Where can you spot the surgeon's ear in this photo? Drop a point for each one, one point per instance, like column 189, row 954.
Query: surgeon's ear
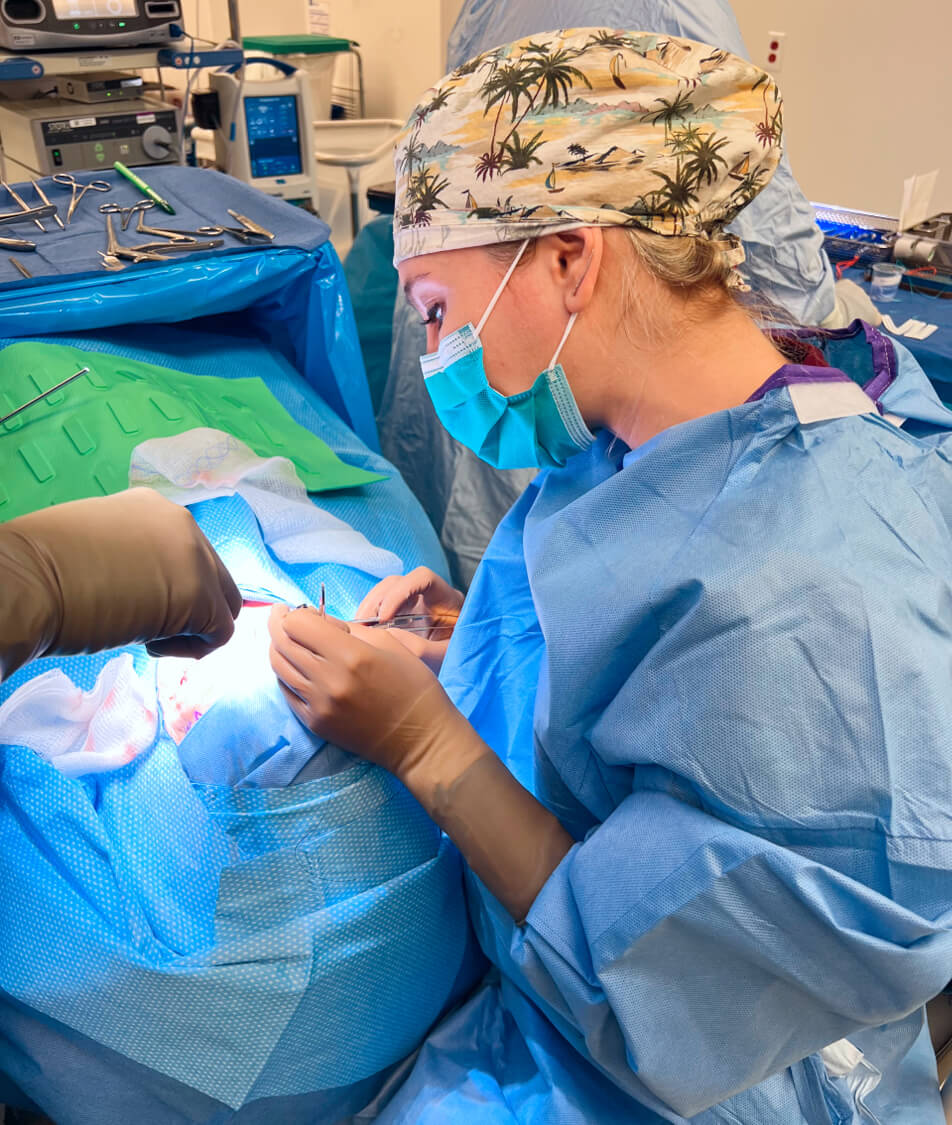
column 574, row 258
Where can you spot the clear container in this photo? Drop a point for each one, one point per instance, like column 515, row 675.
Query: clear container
column 886, row 279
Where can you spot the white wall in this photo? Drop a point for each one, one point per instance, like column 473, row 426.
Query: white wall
column 867, row 83
column 867, row 88
column 403, row 46
column 403, row 42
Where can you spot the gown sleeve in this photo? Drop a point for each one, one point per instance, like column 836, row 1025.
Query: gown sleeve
column 669, row 937
column 777, row 876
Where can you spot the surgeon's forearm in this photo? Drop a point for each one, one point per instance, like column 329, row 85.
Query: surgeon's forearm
column 27, row 603
column 511, row 841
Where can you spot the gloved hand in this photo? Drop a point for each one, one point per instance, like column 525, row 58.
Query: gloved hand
column 852, row 303
column 359, row 688
column 420, row 591
column 94, row 574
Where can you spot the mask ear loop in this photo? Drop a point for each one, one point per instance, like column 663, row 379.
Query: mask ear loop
column 568, row 327
column 502, row 286
column 565, row 336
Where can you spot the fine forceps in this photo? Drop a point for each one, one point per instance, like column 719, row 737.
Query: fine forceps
column 401, row 621
column 42, row 194
column 249, row 231
column 125, row 212
column 408, row 622
column 67, row 179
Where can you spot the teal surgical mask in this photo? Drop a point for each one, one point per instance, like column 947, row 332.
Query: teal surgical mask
column 539, row 427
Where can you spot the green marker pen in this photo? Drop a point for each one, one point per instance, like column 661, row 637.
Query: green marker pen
column 138, row 182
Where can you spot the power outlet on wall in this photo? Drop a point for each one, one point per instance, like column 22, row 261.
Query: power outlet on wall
column 773, row 55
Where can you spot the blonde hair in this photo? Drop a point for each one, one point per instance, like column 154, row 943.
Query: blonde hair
column 694, row 271
column 684, row 263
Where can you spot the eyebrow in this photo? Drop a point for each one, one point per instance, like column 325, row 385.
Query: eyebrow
column 408, row 288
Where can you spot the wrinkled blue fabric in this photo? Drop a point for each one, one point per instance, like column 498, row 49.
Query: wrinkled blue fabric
column 231, row 950
column 737, row 641
column 253, row 740
column 247, row 943
column 785, row 256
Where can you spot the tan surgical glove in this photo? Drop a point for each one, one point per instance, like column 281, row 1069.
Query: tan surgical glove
column 94, row 574
column 360, row 689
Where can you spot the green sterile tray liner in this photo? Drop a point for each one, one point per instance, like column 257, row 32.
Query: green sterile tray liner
column 78, row 441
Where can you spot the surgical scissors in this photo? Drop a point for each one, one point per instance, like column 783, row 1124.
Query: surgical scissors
column 249, row 231
column 67, row 179
column 125, row 212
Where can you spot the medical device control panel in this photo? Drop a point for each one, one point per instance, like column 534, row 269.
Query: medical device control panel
column 50, row 136
column 29, row 25
column 274, row 135
column 265, row 133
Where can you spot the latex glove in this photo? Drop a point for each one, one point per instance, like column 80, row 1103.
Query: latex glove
column 420, row 591
column 115, row 570
column 852, row 303
column 359, row 688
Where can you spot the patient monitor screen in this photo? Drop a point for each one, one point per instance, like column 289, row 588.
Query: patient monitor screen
column 93, row 9
column 274, row 143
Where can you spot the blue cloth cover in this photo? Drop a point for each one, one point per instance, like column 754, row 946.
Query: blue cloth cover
column 231, row 950
column 737, row 639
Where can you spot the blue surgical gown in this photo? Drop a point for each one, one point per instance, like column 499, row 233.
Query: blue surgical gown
column 785, row 256
column 724, row 661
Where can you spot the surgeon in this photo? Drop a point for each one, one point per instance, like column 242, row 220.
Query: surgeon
column 691, row 729
column 784, row 261
column 95, row 574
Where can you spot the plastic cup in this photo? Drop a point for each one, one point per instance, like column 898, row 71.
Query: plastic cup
column 886, row 279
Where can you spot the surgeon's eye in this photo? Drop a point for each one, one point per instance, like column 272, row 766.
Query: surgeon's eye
column 434, row 315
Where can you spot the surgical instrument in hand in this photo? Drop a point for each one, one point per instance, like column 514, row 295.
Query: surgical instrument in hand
column 19, row 266
column 125, row 212
column 67, row 179
column 249, row 231
column 43, row 395
column 422, row 623
column 399, row 622
column 42, row 194
column 21, row 203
